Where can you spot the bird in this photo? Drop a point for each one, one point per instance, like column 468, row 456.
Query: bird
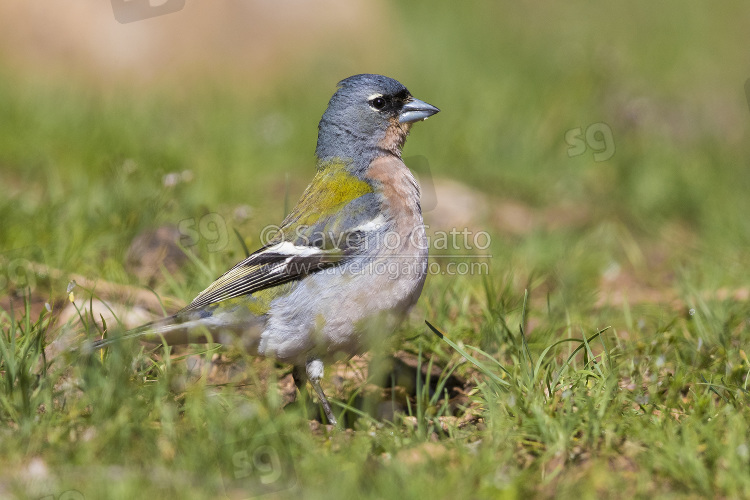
column 346, row 264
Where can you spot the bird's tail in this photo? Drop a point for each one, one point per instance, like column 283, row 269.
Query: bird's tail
column 172, row 329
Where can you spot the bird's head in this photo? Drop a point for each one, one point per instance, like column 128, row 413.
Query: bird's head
column 369, row 115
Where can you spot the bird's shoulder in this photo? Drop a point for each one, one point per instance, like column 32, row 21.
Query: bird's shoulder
column 328, row 225
column 333, row 187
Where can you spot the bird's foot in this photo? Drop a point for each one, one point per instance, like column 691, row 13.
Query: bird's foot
column 314, row 369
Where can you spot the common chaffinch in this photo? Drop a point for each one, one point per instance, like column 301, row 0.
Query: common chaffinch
column 346, row 264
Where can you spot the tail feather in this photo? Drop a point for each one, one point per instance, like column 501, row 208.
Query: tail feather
column 169, row 329
column 193, row 329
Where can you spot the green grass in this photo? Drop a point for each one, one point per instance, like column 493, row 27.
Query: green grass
column 567, row 395
column 593, row 413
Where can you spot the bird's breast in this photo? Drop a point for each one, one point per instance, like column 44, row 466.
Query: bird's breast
column 400, row 248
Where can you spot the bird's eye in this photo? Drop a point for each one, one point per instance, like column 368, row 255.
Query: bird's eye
column 377, row 103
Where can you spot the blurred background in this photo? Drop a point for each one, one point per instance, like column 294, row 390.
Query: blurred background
column 603, row 147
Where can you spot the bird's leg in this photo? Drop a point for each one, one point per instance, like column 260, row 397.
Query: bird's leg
column 299, row 374
column 314, row 369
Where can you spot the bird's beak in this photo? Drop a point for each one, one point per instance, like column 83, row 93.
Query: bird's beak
column 416, row 110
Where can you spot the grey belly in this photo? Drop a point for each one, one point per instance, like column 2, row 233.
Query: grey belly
column 342, row 309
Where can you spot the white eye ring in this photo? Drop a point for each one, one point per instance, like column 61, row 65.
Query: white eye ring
column 376, row 102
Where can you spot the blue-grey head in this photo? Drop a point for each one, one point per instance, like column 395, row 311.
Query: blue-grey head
column 368, row 116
